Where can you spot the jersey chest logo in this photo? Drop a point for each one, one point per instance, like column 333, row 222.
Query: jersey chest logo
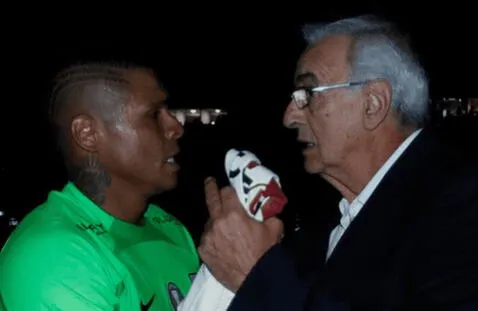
column 175, row 295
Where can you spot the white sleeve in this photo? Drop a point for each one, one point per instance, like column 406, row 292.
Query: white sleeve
column 206, row 294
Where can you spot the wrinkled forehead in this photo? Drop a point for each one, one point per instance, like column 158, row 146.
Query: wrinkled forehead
column 324, row 62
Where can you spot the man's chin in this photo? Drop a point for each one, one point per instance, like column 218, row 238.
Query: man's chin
column 312, row 167
column 170, row 185
column 166, row 185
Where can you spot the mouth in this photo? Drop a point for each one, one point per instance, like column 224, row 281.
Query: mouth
column 171, row 164
column 307, row 144
column 171, row 160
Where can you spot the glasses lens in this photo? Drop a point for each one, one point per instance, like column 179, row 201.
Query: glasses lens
column 301, row 98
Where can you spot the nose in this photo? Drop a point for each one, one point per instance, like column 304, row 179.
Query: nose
column 173, row 128
column 292, row 115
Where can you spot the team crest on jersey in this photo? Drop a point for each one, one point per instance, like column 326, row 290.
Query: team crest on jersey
column 175, row 295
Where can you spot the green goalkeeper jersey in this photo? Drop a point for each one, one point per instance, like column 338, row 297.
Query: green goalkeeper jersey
column 69, row 254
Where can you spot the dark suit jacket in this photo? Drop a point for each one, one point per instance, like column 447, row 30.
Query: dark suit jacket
column 413, row 246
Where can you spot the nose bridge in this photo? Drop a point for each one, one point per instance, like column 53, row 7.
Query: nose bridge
column 292, row 115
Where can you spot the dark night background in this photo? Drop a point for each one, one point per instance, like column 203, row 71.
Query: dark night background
column 232, row 57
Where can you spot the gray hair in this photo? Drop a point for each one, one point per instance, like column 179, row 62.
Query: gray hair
column 379, row 51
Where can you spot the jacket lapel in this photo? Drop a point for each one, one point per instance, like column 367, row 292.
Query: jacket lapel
column 364, row 251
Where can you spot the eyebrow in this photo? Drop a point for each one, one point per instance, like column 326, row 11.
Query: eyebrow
column 305, row 78
column 161, row 104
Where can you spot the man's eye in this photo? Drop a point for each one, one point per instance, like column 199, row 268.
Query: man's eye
column 156, row 113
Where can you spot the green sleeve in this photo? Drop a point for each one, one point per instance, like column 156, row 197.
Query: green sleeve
column 2, row 304
column 54, row 272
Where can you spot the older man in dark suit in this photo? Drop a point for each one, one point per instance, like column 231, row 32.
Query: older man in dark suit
column 408, row 234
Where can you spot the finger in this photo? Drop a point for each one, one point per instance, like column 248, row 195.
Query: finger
column 229, row 199
column 206, row 258
column 275, row 226
column 203, row 253
column 204, row 243
column 208, row 226
column 206, row 249
column 213, row 197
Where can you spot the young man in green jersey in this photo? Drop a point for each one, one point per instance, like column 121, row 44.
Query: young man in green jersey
column 97, row 244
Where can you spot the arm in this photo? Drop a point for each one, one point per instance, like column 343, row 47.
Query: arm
column 275, row 283
column 445, row 273
column 288, row 276
column 51, row 272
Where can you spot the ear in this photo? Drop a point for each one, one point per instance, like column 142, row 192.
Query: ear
column 378, row 100
column 84, row 130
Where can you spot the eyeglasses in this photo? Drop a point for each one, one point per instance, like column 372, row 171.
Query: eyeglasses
column 302, row 96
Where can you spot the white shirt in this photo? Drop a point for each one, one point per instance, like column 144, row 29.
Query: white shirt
column 350, row 210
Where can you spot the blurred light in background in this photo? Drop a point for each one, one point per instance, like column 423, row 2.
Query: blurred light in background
column 206, row 116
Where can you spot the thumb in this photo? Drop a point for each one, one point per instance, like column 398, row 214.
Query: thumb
column 275, row 226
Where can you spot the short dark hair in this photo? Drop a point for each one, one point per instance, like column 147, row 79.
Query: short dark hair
column 99, row 87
